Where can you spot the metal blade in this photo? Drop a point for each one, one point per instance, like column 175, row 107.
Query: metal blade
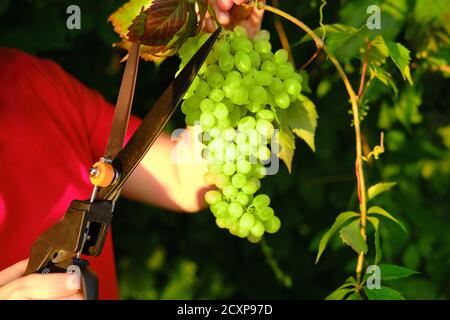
column 152, row 125
column 123, row 105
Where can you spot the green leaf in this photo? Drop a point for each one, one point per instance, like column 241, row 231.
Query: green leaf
column 400, row 56
column 390, row 272
column 381, row 211
column 375, row 223
column 378, row 188
column 157, row 25
column 351, row 235
column 378, row 51
column 303, row 120
column 339, row 294
column 284, row 138
column 384, row 293
column 329, row 29
column 123, row 17
column 383, row 76
column 407, row 107
column 354, row 296
column 340, row 220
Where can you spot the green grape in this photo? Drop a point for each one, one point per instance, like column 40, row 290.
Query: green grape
column 207, row 105
column 233, row 79
column 242, row 198
column 247, row 221
column 267, row 56
column 238, row 180
column 269, row 67
column 246, row 123
column 251, row 186
column 243, row 166
column 262, row 46
column 229, row 168
column 216, row 95
column 261, row 201
column 213, row 196
column 276, row 86
column 226, row 61
column 258, row 229
column 207, row 121
column 222, row 223
column 242, row 233
column 220, row 208
column 248, row 81
column 234, row 116
column 221, row 181
column 241, row 43
column 253, row 239
column 192, row 117
column 263, row 153
column 292, row 86
column 258, row 94
column 222, row 46
column 229, row 191
column 265, row 213
column 229, row 134
column 262, row 35
column 265, row 127
column 215, row 79
column 255, row 58
column 209, row 178
column 231, row 152
column 242, row 62
column 254, row 107
column 258, row 171
column 220, row 111
column 280, row 56
column 240, row 96
column 240, row 31
column 285, row 71
column 235, row 210
column 215, row 167
column 273, row 224
column 202, row 89
column 282, row 100
column 263, row 78
column 265, row 114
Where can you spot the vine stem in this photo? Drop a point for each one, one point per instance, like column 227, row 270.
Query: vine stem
column 361, row 185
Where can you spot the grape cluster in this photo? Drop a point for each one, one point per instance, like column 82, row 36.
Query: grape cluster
column 234, row 100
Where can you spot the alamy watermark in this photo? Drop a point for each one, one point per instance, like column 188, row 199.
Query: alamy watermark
column 73, row 21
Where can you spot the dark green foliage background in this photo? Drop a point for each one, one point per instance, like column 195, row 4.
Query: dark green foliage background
column 164, row 255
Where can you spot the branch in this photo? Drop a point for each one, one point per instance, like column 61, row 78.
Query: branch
column 354, row 102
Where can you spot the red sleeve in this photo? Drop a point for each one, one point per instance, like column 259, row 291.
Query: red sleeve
column 52, row 128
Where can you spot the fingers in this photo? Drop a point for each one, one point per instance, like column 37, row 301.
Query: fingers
column 224, row 5
column 78, row 296
column 13, row 272
column 43, row 286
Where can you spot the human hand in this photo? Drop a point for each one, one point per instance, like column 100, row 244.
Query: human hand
column 228, row 16
column 53, row 286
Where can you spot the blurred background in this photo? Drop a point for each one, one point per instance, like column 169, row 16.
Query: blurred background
column 165, row 255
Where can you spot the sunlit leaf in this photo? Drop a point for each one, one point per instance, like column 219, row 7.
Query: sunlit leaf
column 123, row 17
column 354, row 296
column 400, row 55
column 303, row 120
column 378, row 188
column 351, row 235
column 390, row 272
column 383, row 76
column 381, row 211
column 339, row 294
column 285, row 139
column 340, row 220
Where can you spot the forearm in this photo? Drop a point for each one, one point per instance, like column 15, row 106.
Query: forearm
column 169, row 181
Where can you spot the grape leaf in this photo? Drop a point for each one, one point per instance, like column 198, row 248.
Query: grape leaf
column 400, row 56
column 390, row 272
column 375, row 222
column 285, row 139
column 351, row 235
column 381, row 211
column 303, row 120
column 158, row 24
column 384, row 293
column 383, row 76
column 339, row 294
column 378, row 188
column 123, row 17
column 340, row 220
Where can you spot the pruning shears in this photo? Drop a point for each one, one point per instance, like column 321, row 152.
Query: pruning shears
column 85, row 224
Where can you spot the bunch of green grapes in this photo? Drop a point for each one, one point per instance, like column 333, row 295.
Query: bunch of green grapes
column 234, row 100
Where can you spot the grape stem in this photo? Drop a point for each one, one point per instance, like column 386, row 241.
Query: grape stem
column 361, row 185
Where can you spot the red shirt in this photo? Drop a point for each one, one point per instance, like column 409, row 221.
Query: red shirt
column 52, row 129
